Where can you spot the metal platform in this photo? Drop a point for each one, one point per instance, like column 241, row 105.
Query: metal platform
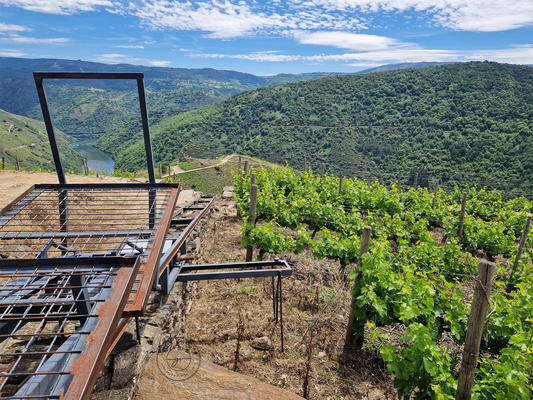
column 77, row 262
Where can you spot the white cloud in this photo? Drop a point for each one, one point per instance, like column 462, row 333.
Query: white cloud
column 60, row 6
column 345, row 40
column 159, row 63
column 124, row 59
column 12, row 53
column 513, row 55
column 470, row 15
column 226, row 20
column 13, row 37
column 129, row 47
column 4, row 28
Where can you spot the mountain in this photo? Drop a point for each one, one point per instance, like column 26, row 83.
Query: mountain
column 392, row 67
column 27, row 139
column 461, row 123
column 92, row 107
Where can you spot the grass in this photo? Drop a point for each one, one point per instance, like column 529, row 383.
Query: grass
column 188, row 165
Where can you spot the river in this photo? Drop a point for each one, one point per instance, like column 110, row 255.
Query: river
column 96, row 158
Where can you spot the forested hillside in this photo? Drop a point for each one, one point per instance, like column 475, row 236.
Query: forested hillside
column 96, row 106
column 27, row 139
column 468, row 122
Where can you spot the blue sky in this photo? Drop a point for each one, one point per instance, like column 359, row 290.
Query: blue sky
column 269, row 37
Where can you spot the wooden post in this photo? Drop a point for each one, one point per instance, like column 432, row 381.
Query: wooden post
column 239, row 168
column 365, row 243
column 251, row 219
column 436, row 193
column 322, row 171
column 3, row 162
column 245, row 167
column 507, row 189
column 416, row 181
column 521, row 247
column 168, row 170
column 476, row 321
column 399, row 179
column 17, row 161
column 340, row 184
column 252, row 182
column 462, row 219
column 160, row 171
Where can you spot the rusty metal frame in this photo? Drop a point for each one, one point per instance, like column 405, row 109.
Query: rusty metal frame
column 48, row 297
column 138, row 76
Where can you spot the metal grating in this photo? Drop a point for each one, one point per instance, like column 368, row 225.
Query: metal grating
column 57, row 320
column 54, row 221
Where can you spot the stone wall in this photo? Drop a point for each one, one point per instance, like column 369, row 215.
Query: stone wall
column 118, row 376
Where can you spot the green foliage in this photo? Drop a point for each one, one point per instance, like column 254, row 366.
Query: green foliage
column 27, row 139
column 188, row 165
column 437, row 121
column 407, row 277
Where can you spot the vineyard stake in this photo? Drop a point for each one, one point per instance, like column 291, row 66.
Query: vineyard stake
column 399, row 178
column 507, row 189
column 3, row 162
column 245, row 167
column 476, row 322
column 365, row 244
column 462, row 219
column 252, row 181
column 251, row 219
column 168, row 170
column 322, row 171
column 340, row 184
column 415, row 181
column 239, row 168
column 160, row 171
column 17, row 161
column 521, row 247
column 436, row 192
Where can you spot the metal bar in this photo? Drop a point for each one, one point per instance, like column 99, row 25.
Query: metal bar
column 49, row 127
column 63, row 216
column 169, row 255
column 231, row 275
column 88, row 75
column 146, row 130
column 255, row 264
column 78, row 234
column 107, row 186
column 280, row 279
column 150, row 269
column 87, row 367
column 12, row 264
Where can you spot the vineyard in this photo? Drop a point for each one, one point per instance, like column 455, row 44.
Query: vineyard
column 419, row 271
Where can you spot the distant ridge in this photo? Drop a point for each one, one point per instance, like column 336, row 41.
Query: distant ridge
column 391, row 67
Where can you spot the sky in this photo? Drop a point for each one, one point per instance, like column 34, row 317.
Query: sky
column 269, row 37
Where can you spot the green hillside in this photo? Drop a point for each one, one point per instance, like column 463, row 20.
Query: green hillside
column 27, row 139
column 92, row 107
column 461, row 123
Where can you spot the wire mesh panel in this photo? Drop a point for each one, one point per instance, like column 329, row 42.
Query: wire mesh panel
column 56, row 221
column 57, row 319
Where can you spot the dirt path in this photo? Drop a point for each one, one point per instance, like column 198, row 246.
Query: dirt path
column 177, row 170
column 14, row 183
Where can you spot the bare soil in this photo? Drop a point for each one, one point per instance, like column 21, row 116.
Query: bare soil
column 316, row 304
